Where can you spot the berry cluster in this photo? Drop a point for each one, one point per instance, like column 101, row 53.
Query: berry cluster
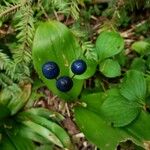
column 51, row 70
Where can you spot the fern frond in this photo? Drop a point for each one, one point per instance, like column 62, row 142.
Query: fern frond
column 8, row 9
column 5, row 80
column 2, row 82
column 66, row 7
column 11, row 69
column 60, row 5
column 17, row 72
column 17, row 68
column 4, row 61
column 78, row 32
column 25, row 29
column 74, row 9
column 89, row 50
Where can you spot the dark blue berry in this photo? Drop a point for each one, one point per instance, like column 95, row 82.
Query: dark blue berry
column 78, row 67
column 50, row 70
column 64, row 83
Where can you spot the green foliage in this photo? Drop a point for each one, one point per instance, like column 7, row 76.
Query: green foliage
column 105, row 45
column 17, row 66
column 110, row 68
column 63, row 49
column 138, row 64
column 112, row 95
column 126, row 113
column 89, row 122
column 5, row 62
column 19, row 128
column 67, row 7
column 141, row 47
column 134, row 87
column 137, row 4
column 117, row 111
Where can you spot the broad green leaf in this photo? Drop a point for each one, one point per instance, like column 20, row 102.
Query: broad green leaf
column 91, row 69
column 51, row 126
column 119, row 111
column 109, row 44
column 110, row 68
column 16, row 142
column 112, row 92
column 27, row 132
column 138, row 64
column 106, row 137
column 4, row 112
column 141, row 47
column 121, row 58
column 45, row 147
column 140, row 128
column 42, row 131
column 6, row 144
column 116, row 109
column 93, row 124
column 93, row 100
column 134, row 87
column 46, row 113
column 54, row 42
column 22, row 143
column 97, row 130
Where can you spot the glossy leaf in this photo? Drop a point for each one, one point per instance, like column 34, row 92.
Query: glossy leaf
column 54, row 42
column 141, row 47
column 22, row 143
column 16, row 142
column 45, row 147
column 44, row 132
column 109, row 44
column 121, row 58
column 119, row 111
column 27, row 132
column 138, row 64
column 97, row 130
column 93, row 100
column 134, row 87
column 5, row 143
column 110, row 68
column 140, row 128
column 46, row 113
column 91, row 69
column 52, row 127
column 106, row 137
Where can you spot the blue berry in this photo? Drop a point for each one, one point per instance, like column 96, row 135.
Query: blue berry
column 50, row 70
column 64, row 84
column 78, row 67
